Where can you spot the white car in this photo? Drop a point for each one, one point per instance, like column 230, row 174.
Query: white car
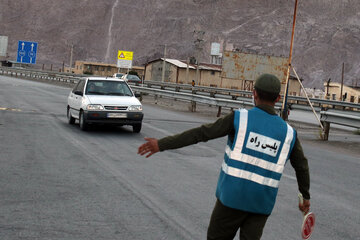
column 131, row 78
column 100, row 100
column 118, row 75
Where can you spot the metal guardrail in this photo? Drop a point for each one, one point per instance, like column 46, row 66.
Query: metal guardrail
column 218, row 102
column 351, row 119
column 39, row 74
column 211, row 90
column 73, row 78
column 345, row 118
column 328, row 114
column 293, row 100
column 327, row 108
column 341, row 117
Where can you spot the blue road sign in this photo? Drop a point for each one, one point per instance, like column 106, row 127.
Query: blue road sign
column 26, row 52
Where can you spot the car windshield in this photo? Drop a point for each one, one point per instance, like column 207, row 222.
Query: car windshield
column 103, row 87
column 119, row 75
column 133, row 77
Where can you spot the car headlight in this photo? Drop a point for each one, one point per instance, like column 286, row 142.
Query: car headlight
column 94, row 107
column 135, row 108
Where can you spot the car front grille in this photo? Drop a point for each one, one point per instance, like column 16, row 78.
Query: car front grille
column 121, row 108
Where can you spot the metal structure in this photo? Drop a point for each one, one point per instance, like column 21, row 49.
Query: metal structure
column 246, row 67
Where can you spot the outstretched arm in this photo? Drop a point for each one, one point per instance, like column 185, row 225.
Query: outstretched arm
column 222, row 127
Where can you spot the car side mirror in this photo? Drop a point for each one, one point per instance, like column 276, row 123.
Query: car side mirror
column 78, row 93
column 137, row 94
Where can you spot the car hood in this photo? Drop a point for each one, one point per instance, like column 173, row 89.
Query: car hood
column 113, row 100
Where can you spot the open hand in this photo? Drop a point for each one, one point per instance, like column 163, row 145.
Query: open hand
column 150, row 147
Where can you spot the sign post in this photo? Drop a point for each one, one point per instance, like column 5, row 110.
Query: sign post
column 125, row 59
column 3, row 46
column 27, row 52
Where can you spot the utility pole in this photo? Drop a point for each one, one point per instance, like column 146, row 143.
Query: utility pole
column 187, row 70
column 71, row 56
column 163, row 68
column 284, row 112
column 223, row 50
column 199, row 40
column 342, row 82
column 327, row 89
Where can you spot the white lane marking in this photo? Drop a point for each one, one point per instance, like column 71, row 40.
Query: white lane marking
column 158, row 129
column 10, row 109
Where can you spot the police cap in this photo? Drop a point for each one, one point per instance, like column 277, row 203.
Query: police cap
column 268, row 83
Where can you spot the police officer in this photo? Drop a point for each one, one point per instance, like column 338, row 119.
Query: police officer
column 259, row 144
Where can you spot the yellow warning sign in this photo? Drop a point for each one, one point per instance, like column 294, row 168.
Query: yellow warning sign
column 125, row 55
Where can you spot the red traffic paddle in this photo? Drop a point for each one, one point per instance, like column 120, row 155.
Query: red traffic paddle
column 308, row 221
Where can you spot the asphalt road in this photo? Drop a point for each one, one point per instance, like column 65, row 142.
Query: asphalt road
column 58, row 182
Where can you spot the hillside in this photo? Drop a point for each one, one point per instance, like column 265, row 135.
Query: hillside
column 327, row 31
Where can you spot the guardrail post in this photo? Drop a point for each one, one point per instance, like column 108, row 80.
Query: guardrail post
column 219, row 112
column 326, row 125
column 192, row 106
column 156, row 98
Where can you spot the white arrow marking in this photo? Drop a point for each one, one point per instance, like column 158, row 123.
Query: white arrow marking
column 22, row 44
column 32, row 47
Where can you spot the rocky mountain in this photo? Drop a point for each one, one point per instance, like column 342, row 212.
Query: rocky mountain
column 327, row 31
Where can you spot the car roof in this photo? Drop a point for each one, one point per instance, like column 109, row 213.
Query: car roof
column 105, row 79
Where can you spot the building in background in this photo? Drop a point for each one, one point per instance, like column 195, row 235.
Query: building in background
column 313, row 93
column 238, row 71
column 349, row 94
column 102, row 69
column 177, row 71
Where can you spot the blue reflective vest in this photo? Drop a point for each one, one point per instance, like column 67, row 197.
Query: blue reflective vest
column 254, row 161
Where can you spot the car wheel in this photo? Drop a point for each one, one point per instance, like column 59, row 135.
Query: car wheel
column 137, row 128
column 82, row 122
column 71, row 120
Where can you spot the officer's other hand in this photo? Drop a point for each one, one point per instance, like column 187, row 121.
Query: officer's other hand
column 305, row 206
column 150, row 147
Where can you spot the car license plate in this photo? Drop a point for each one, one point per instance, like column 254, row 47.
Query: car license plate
column 116, row 115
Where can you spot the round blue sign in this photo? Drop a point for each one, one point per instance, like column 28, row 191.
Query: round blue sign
column 22, row 53
column 32, row 54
